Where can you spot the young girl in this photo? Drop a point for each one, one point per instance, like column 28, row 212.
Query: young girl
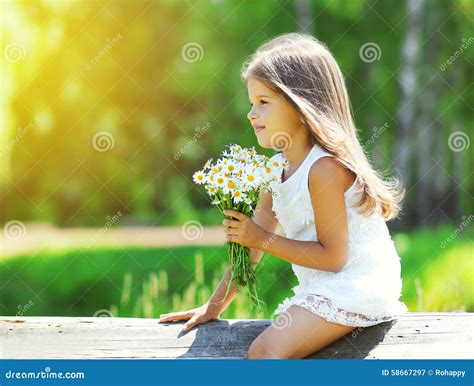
column 331, row 204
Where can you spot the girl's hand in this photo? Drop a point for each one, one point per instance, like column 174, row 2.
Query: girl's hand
column 194, row 317
column 243, row 230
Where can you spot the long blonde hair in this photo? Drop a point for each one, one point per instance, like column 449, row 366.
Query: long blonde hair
column 302, row 69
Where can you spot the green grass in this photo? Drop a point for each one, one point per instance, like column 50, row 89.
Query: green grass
column 81, row 282
column 145, row 282
column 425, row 264
column 447, row 283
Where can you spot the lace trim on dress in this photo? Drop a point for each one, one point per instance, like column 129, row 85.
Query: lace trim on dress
column 323, row 307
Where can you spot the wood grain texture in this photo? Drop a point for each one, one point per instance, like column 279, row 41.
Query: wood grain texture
column 413, row 336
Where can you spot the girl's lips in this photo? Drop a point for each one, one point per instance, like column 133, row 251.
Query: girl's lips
column 258, row 129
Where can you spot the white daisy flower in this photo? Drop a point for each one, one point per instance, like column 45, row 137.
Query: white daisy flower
column 220, row 180
column 199, row 177
column 251, row 176
column 230, row 167
column 216, row 168
column 240, row 174
column 211, row 190
column 208, row 164
column 229, row 186
column 238, row 196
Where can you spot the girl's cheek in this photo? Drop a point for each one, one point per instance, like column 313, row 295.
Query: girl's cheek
column 267, row 115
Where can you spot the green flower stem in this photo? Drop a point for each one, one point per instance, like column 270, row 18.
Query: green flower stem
column 241, row 270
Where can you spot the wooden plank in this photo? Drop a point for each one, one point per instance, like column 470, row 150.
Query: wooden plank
column 412, row 336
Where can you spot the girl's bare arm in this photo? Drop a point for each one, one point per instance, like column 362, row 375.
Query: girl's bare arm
column 263, row 217
column 327, row 184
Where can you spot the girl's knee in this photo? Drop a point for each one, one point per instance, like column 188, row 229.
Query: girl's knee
column 259, row 349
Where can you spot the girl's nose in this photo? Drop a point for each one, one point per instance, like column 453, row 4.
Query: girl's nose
column 251, row 114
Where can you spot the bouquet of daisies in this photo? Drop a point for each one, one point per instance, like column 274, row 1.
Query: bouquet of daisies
column 234, row 182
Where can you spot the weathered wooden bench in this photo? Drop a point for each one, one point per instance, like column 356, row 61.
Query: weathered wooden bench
column 413, row 336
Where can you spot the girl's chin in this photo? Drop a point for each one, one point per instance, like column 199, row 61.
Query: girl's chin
column 263, row 142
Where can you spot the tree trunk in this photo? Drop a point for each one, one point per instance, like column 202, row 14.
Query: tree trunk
column 428, row 129
column 410, row 52
column 304, row 16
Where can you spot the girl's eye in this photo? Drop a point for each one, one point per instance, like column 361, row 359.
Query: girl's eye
column 261, row 103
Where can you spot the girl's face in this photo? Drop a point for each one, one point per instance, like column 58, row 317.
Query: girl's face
column 276, row 123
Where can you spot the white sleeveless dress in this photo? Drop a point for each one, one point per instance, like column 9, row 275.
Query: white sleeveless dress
column 367, row 290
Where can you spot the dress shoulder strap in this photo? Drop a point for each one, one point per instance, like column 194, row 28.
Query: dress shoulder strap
column 315, row 154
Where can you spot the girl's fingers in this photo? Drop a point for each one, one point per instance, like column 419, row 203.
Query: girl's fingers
column 172, row 318
column 175, row 316
column 233, row 213
column 190, row 324
column 231, row 232
column 230, row 223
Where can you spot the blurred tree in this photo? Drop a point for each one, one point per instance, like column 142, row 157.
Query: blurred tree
column 112, row 106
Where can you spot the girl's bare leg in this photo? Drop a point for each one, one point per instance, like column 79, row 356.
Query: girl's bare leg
column 295, row 334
